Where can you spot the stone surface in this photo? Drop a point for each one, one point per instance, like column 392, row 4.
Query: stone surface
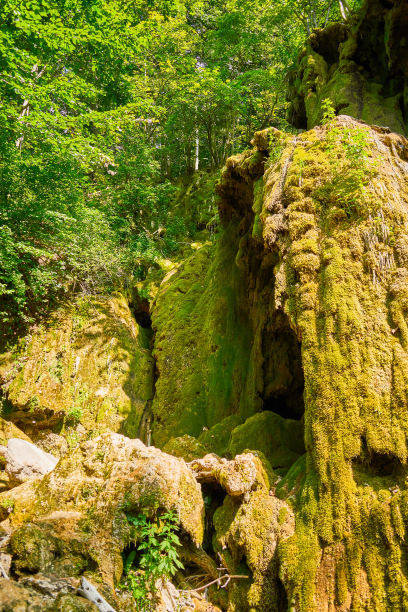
column 25, row 461
column 279, row 439
column 87, row 368
column 238, row 477
column 332, row 260
column 8, row 430
column 15, row 597
column 353, row 66
column 74, row 517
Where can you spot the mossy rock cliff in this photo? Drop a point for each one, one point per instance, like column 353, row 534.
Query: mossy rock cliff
column 360, row 67
column 294, row 324
column 87, row 368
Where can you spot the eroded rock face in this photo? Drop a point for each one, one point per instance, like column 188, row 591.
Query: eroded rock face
column 339, row 243
column 360, row 67
column 314, row 258
column 28, row 598
column 238, row 477
column 88, row 368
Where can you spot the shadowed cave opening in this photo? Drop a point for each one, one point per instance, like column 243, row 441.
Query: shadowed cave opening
column 376, row 464
column 213, row 495
column 141, row 312
column 284, row 380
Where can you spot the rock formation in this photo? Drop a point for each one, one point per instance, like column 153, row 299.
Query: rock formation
column 360, row 67
column 269, row 366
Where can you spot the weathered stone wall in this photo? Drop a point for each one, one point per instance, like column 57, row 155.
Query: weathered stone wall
column 88, row 368
column 361, row 67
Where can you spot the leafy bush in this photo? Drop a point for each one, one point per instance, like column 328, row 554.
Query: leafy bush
column 351, row 164
column 154, row 556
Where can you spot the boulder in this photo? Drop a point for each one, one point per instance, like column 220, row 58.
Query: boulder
column 22, row 598
column 75, row 517
column 25, row 461
column 237, row 477
column 280, row 439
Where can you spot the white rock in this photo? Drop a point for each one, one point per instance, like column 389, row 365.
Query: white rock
column 88, row 591
column 25, row 461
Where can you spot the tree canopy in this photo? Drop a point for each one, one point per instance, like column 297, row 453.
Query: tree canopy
column 103, row 104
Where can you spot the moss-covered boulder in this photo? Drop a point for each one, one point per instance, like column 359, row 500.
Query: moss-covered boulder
column 74, row 520
column 279, row 439
column 186, row 446
column 247, row 534
column 27, row 598
column 87, row 368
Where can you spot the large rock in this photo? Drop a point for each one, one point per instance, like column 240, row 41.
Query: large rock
column 15, row 597
column 7, row 431
column 249, row 526
column 353, row 66
column 279, row 439
column 88, row 368
column 25, row 461
column 329, row 228
column 238, row 477
column 74, row 518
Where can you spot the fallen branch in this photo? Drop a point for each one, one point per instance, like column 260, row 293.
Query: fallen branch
column 218, row 581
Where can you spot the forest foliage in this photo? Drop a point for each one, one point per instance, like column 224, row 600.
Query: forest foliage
column 103, row 105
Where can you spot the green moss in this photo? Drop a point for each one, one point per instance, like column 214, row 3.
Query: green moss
column 336, row 278
column 187, row 447
column 217, row 439
column 279, row 439
column 88, row 365
column 202, row 339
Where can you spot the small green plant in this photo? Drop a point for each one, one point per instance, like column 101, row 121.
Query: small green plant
column 72, row 439
column 74, row 414
column 154, row 556
column 329, row 112
column 348, row 150
column 7, row 504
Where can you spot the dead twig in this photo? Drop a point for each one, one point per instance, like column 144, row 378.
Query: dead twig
column 219, row 580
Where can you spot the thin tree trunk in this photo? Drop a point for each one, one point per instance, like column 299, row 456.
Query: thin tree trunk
column 197, row 150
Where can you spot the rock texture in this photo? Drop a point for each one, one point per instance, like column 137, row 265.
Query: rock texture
column 17, row 597
column 306, row 363
column 339, row 248
column 88, row 368
column 74, row 518
column 25, row 461
column 360, row 67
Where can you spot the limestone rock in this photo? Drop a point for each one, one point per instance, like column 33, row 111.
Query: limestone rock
column 88, row 367
column 247, row 539
column 16, row 597
column 76, row 512
column 25, row 461
column 333, row 65
column 326, row 274
column 237, row 477
column 279, row 439
column 186, row 446
column 53, row 443
column 8, row 430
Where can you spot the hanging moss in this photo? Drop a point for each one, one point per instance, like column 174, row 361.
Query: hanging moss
column 335, row 232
